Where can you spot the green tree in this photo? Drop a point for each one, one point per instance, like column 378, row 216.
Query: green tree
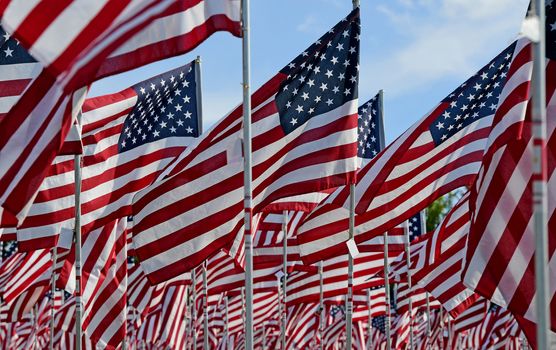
column 440, row 207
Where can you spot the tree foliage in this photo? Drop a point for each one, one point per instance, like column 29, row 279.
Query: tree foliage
column 440, row 207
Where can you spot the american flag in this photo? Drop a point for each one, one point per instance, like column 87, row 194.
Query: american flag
column 441, row 276
column 128, row 138
column 304, row 140
column 73, row 52
column 301, row 325
column 501, row 248
column 439, row 153
column 17, row 69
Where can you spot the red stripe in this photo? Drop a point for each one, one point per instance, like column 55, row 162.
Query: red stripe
column 13, row 87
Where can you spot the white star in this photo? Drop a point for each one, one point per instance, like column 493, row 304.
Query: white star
column 305, row 96
column 186, row 99
column 6, row 36
column 493, row 107
column 188, row 115
column 341, row 76
column 317, row 99
column 329, row 101
column 311, row 110
column 189, row 130
column 288, row 104
column 9, row 52
column 323, row 86
column 299, row 109
column 177, row 92
column 185, row 83
column 142, row 89
column 347, row 92
column 484, row 75
column 163, row 125
column 291, row 65
column 352, row 49
column 334, row 60
column 153, row 86
column 301, row 79
column 293, row 121
column 311, row 82
column 123, row 143
column 328, row 73
column 345, row 34
column 162, row 82
column 335, row 89
column 134, row 140
column 446, row 114
column 353, row 79
column 346, row 63
column 440, row 125
column 178, row 107
column 172, row 129
column 340, row 47
column 172, row 78
column 180, row 122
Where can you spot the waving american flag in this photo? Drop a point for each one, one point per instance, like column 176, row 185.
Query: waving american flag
column 439, row 153
column 304, row 140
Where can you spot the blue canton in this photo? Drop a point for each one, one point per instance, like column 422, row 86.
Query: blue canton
column 9, row 248
column 415, row 226
column 335, row 310
column 379, row 323
column 166, row 106
column 322, row 78
column 370, row 129
column 550, row 30
column 11, row 52
column 474, row 99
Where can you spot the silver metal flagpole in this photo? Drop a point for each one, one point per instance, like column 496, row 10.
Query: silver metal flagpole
column 77, row 240
column 540, row 202
column 248, row 205
column 349, row 301
column 285, row 277
column 205, row 308
column 409, row 285
column 441, row 328
column 428, row 337
column 264, row 338
column 53, row 292
column 385, row 235
column 321, row 305
column 243, row 307
column 349, row 304
column 193, row 309
column 226, row 330
column 369, row 319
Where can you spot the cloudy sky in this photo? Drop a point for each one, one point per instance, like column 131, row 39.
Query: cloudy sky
column 418, row 51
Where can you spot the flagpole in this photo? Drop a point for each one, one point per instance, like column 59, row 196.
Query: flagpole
column 428, row 337
column 243, row 307
column 52, row 291
column 540, row 202
column 441, row 328
column 247, row 176
column 409, row 285
column 321, row 305
column 349, row 302
column 77, row 240
column 370, row 318
column 264, row 338
column 382, row 141
column 285, row 277
column 193, row 309
column 226, row 331
column 205, row 308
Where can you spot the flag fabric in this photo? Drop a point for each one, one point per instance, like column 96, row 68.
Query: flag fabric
column 304, row 140
column 500, row 253
column 128, row 138
column 18, row 69
column 72, row 42
column 439, row 153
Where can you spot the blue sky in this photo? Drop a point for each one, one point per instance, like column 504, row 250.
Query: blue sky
column 418, row 51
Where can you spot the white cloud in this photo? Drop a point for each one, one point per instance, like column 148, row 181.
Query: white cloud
column 308, row 25
column 448, row 39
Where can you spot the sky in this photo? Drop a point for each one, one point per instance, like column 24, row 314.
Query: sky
column 418, row 51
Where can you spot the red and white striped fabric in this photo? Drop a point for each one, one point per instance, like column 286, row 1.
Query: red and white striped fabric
column 303, row 286
column 21, row 271
column 439, row 153
column 112, row 171
column 472, row 316
column 441, row 276
column 418, row 298
column 501, row 248
column 73, row 41
column 198, row 208
column 301, row 325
